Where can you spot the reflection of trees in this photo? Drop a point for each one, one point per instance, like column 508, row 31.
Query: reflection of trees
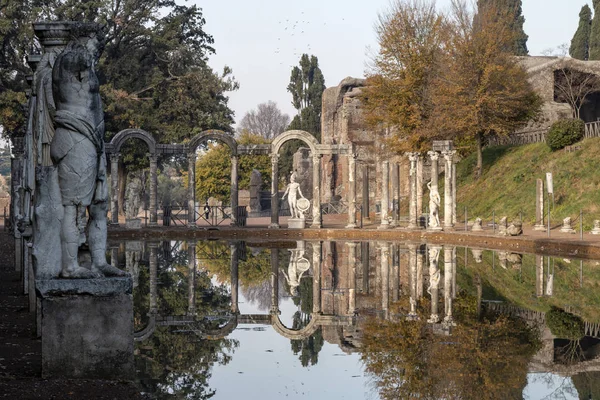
column 310, row 347
column 175, row 360
column 259, row 294
column 485, row 358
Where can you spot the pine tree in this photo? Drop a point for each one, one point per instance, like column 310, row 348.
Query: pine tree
column 580, row 44
column 515, row 10
column 595, row 32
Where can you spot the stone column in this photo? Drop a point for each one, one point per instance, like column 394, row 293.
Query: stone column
column 234, row 189
column 539, row 276
column 385, row 194
column 114, row 186
column 114, row 256
column 434, row 283
column 153, row 261
column 192, row 278
column 448, row 200
column 192, row 189
column 316, row 201
column 412, row 279
column 351, row 191
column 419, row 186
column 234, row 278
column 316, row 277
column 448, row 320
column 412, row 205
column 274, row 191
column 351, row 277
column 275, row 281
column 435, row 170
column 539, row 206
column 365, row 193
column 153, row 191
column 385, row 277
column 364, row 255
column 395, row 198
column 454, row 192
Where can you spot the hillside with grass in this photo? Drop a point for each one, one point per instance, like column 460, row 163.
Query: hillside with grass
column 508, row 182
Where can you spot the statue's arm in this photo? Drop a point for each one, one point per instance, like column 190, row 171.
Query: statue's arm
column 287, row 190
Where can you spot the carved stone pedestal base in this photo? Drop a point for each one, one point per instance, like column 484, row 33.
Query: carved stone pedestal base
column 133, row 223
column 296, row 223
column 541, row 228
column 86, row 328
column 435, row 229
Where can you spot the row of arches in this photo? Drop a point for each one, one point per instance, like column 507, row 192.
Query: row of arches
column 317, row 150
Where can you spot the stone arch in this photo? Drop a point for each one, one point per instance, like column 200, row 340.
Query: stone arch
column 122, row 137
column 304, row 136
column 213, row 134
column 288, row 333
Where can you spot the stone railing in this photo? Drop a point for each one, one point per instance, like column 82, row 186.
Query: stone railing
column 592, row 130
column 517, row 139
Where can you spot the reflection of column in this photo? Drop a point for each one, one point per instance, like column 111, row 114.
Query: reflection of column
column 412, row 279
column 385, row 278
column 153, row 278
column 454, row 273
column 420, row 257
column 448, row 201
column 234, row 189
column 364, row 255
column 316, row 222
column 394, row 173
column 448, row 320
column 395, row 273
column 114, row 188
column 274, row 191
column 316, row 277
column 192, row 189
column 274, row 281
column 385, row 194
column 539, row 276
column 434, row 283
column 412, row 196
column 153, row 184
column 365, row 192
column 351, row 277
column 351, row 191
column 191, row 278
column 234, row 278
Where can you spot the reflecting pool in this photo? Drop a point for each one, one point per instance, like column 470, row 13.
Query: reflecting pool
column 361, row 320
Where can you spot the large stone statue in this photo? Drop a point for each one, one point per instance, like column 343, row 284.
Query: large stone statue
column 77, row 150
column 293, row 194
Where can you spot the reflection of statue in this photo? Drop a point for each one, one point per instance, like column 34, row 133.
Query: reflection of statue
column 434, row 206
column 78, row 151
column 434, row 269
column 297, row 267
column 292, row 191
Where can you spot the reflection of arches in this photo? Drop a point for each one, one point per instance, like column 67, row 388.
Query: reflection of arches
column 121, row 137
column 304, row 136
column 213, row 134
column 145, row 333
column 292, row 334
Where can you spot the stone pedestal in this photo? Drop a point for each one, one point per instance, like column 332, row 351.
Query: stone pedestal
column 133, row 223
column 567, row 227
column 86, row 328
column 296, row 223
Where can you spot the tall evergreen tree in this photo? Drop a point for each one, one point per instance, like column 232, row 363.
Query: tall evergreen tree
column 580, row 44
column 306, row 86
column 595, row 32
column 514, row 8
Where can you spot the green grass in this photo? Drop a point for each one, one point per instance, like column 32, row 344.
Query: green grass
column 508, row 182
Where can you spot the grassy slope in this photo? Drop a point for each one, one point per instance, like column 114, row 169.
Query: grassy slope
column 509, row 180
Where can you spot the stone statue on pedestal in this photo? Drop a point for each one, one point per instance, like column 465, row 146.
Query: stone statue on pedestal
column 293, row 192
column 434, row 206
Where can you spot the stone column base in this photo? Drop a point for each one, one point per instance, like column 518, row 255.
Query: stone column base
column 541, row 228
column 273, row 225
column 296, row 223
column 568, row 230
column 86, row 328
column 435, row 229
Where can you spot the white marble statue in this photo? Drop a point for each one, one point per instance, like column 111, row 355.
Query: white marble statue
column 434, row 206
column 293, row 194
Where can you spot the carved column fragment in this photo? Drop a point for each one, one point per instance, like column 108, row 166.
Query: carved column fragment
column 316, row 277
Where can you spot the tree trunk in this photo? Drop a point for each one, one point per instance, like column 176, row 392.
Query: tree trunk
column 122, row 187
column 479, row 168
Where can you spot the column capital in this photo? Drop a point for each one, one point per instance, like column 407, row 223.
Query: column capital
column 191, row 156
column 433, row 155
column 153, row 157
column 351, row 244
column 413, row 156
column 115, row 157
column 317, row 157
column 274, row 159
column 448, row 154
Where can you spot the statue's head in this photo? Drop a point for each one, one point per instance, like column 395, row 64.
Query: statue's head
column 293, row 177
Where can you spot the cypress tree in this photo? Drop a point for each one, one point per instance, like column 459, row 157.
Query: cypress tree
column 580, row 44
column 514, row 8
column 595, row 32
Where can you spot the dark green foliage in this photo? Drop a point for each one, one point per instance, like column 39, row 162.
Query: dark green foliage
column 580, row 44
column 513, row 7
column 565, row 132
column 595, row 32
column 564, row 325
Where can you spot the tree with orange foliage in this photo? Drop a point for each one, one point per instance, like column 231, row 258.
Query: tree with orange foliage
column 397, row 94
column 483, row 88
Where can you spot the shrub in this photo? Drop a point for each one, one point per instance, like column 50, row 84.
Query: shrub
column 565, row 132
column 564, row 325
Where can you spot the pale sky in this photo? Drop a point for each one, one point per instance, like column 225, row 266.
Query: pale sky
column 262, row 40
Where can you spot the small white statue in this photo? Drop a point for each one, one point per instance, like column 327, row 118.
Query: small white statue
column 293, row 192
column 434, row 206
